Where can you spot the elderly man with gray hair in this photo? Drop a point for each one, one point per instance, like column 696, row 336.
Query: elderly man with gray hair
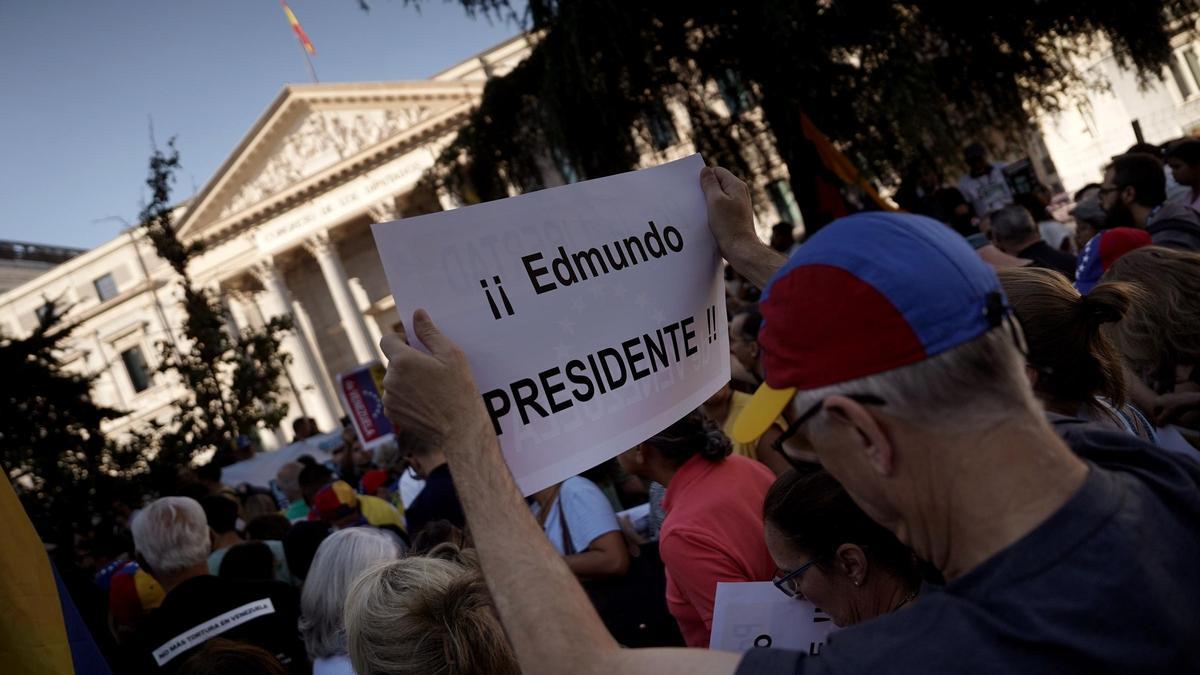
column 1014, row 232
column 171, row 537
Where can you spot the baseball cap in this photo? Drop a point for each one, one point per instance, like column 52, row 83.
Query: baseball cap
column 335, row 501
column 373, row 480
column 866, row 294
column 1102, row 251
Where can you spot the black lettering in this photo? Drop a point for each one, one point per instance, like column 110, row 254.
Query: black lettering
column 651, row 238
column 641, row 249
column 528, row 400
column 612, row 264
column 660, row 351
column 496, row 412
column 552, row 389
column 563, row 262
column 688, row 334
column 591, row 256
column 535, row 273
column 634, row 358
column 667, row 232
column 604, row 354
column 596, row 374
column 670, row 329
column 574, row 367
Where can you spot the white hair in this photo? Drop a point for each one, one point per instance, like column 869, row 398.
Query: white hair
column 971, row 387
column 339, row 560
column 388, row 456
column 171, row 534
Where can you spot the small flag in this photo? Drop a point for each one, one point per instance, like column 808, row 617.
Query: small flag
column 300, row 34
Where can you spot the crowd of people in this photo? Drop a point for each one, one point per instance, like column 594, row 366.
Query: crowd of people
column 967, row 433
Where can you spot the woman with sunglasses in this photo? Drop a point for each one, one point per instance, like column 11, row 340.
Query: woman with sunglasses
column 831, row 553
column 712, row 531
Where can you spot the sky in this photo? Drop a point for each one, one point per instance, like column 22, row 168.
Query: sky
column 81, row 81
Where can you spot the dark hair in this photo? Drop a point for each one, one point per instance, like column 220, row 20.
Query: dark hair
column 1142, row 172
column 816, row 515
column 301, row 543
column 436, row 533
column 692, row 435
column 248, row 561
column 210, row 472
column 268, row 526
column 1074, row 360
column 218, row 656
column 1186, row 150
column 221, row 513
column 1079, row 193
column 1143, row 149
column 314, row 475
column 752, row 324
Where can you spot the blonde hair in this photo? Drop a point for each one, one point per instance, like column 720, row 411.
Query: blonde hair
column 1074, row 360
column 425, row 615
column 1156, row 336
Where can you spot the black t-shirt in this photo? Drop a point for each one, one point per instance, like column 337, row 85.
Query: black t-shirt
column 438, row 500
column 264, row 614
column 1043, row 255
column 1108, row 584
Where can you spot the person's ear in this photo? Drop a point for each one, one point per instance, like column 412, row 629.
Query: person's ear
column 866, row 431
column 852, row 561
column 1128, row 195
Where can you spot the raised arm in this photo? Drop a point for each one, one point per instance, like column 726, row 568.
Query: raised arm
column 731, row 219
column 547, row 616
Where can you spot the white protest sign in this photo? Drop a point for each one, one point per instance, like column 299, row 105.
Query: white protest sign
column 747, row 615
column 593, row 315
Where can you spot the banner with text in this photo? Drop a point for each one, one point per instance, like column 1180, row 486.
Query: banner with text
column 593, row 314
column 749, row 615
column 361, row 391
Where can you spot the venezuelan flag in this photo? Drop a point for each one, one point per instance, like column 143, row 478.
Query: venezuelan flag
column 41, row 631
column 291, row 17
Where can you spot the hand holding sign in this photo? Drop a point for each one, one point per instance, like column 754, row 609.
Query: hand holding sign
column 432, row 394
column 591, row 316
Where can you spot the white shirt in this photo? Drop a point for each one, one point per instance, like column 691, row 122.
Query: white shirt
column 987, row 192
column 333, row 665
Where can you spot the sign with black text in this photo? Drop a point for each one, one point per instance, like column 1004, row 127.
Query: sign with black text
column 593, row 315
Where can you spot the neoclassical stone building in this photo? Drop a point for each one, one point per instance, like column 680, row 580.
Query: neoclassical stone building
column 286, row 221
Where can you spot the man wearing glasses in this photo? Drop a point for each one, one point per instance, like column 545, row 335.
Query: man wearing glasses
column 1134, row 195
column 886, row 348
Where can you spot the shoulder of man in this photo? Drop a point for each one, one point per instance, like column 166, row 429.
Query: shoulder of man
column 1126, row 453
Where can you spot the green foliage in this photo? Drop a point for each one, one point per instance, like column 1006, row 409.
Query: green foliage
column 232, row 379
column 50, row 441
column 891, row 83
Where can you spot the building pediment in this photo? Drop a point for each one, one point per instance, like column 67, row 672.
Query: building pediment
column 313, row 135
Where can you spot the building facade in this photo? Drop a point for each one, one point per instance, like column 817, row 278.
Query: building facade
column 286, row 225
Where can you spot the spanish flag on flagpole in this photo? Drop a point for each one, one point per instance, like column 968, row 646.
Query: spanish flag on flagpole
column 300, row 34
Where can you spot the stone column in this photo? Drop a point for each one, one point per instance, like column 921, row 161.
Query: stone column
column 327, row 384
column 326, row 254
column 364, row 305
column 304, row 370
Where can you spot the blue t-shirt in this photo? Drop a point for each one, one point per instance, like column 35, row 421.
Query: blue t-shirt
column 589, row 514
column 1108, row 584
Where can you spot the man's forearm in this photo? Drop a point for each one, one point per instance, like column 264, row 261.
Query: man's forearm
column 754, row 260
column 548, row 617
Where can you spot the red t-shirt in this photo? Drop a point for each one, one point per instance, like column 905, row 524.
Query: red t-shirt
column 713, row 532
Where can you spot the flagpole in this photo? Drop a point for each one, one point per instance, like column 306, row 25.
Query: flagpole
column 312, row 72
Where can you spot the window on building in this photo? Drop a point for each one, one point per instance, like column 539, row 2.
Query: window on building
column 135, row 365
column 737, row 97
column 662, row 128
column 785, row 201
column 1185, row 89
column 106, row 287
column 1193, row 64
